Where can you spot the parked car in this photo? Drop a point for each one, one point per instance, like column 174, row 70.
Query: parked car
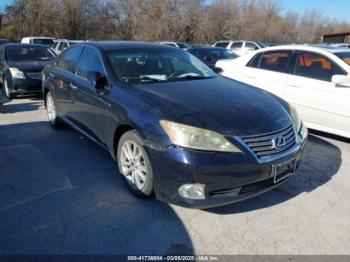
column 20, row 67
column 48, row 41
column 176, row 128
column 315, row 80
column 241, row 47
column 61, row 44
column 4, row 41
column 210, row 55
column 341, row 45
column 181, row 45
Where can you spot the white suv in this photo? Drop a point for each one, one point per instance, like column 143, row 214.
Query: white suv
column 240, row 47
column 61, row 44
column 49, row 41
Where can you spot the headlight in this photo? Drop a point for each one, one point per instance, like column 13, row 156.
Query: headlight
column 16, row 73
column 295, row 117
column 197, row 138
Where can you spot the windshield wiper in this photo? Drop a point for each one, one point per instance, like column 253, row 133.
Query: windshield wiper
column 141, row 79
column 189, row 77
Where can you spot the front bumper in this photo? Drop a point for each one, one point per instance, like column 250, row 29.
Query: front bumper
column 222, row 173
column 26, row 86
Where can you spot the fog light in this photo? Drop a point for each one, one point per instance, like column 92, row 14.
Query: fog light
column 192, row 191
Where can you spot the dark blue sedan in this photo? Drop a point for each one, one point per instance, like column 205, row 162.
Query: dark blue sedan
column 176, row 129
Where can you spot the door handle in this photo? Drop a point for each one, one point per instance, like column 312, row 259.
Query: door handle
column 295, row 86
column 250, row 76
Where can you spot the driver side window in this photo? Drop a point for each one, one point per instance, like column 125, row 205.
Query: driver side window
column 90, row 61
column 316, row 66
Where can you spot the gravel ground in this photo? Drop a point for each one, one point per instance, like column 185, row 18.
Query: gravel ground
column 61, row 194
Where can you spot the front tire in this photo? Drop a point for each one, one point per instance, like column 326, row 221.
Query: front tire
column 54, row 120
column 134, row 164
column 8, row 93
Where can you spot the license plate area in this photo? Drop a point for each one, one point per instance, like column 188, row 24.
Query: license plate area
column 283, row 170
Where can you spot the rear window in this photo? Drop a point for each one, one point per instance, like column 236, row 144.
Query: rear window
column 27, row 53
column 275, row 61
column 41, row 41
column 345, row 56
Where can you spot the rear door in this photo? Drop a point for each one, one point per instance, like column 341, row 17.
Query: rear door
column 90, row 106
column 268, row 71
column 321, row 103
column 61, row 76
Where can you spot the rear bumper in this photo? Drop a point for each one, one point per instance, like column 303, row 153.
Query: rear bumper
column 228, row 177
column 26, row 86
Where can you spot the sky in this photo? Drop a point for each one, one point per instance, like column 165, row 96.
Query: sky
column 339, row 9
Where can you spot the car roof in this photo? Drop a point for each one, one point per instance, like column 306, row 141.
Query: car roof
column 109, row 45
column 24, row 45
column 208, row 47
column 38, row 37
column 315, row 48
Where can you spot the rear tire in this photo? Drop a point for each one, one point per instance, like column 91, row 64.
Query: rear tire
column 134, row 164
column 54, row 120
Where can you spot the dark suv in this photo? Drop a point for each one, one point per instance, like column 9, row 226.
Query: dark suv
column 176, row 128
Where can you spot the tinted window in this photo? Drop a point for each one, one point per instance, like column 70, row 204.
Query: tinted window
column 236, row 45
column 157, row 65
column 345, row 56
column 251, row 46
column 48, row 42
column 275, row 61
column 219, row 53
column 69, row 59
column 316, row 66
column 28, row 53
column 90, row 61
column 255, row 61
column 222, row 44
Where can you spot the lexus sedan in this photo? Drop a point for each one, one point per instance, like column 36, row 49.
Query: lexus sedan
column 21, row 66
column 314, row 79
column 175, row 128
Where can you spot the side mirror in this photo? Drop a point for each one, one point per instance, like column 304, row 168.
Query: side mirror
column 343, row 80
column 96, row 79
column 218, row 70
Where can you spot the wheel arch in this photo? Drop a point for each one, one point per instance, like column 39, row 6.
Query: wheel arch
column 120, row 130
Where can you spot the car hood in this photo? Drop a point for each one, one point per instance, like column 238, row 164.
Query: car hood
column 29, row 66
column 220, row 104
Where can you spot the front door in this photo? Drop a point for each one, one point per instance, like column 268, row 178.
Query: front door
column 321, row 104
column 90, row 104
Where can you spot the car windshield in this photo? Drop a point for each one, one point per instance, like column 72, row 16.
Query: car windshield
column 26, row 53
column 345, row 56
column 157, row 65
column 222, row 53
column 43, row 41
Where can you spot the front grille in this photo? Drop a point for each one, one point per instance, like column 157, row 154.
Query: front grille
column 34, row 75
column 261, row 184
column 271, row 144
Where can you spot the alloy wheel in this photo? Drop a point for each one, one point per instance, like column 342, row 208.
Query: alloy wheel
column 50, row 107
column 133, row 164
column 7, row 90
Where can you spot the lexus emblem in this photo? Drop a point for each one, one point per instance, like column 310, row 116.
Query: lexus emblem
column 278, row 142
